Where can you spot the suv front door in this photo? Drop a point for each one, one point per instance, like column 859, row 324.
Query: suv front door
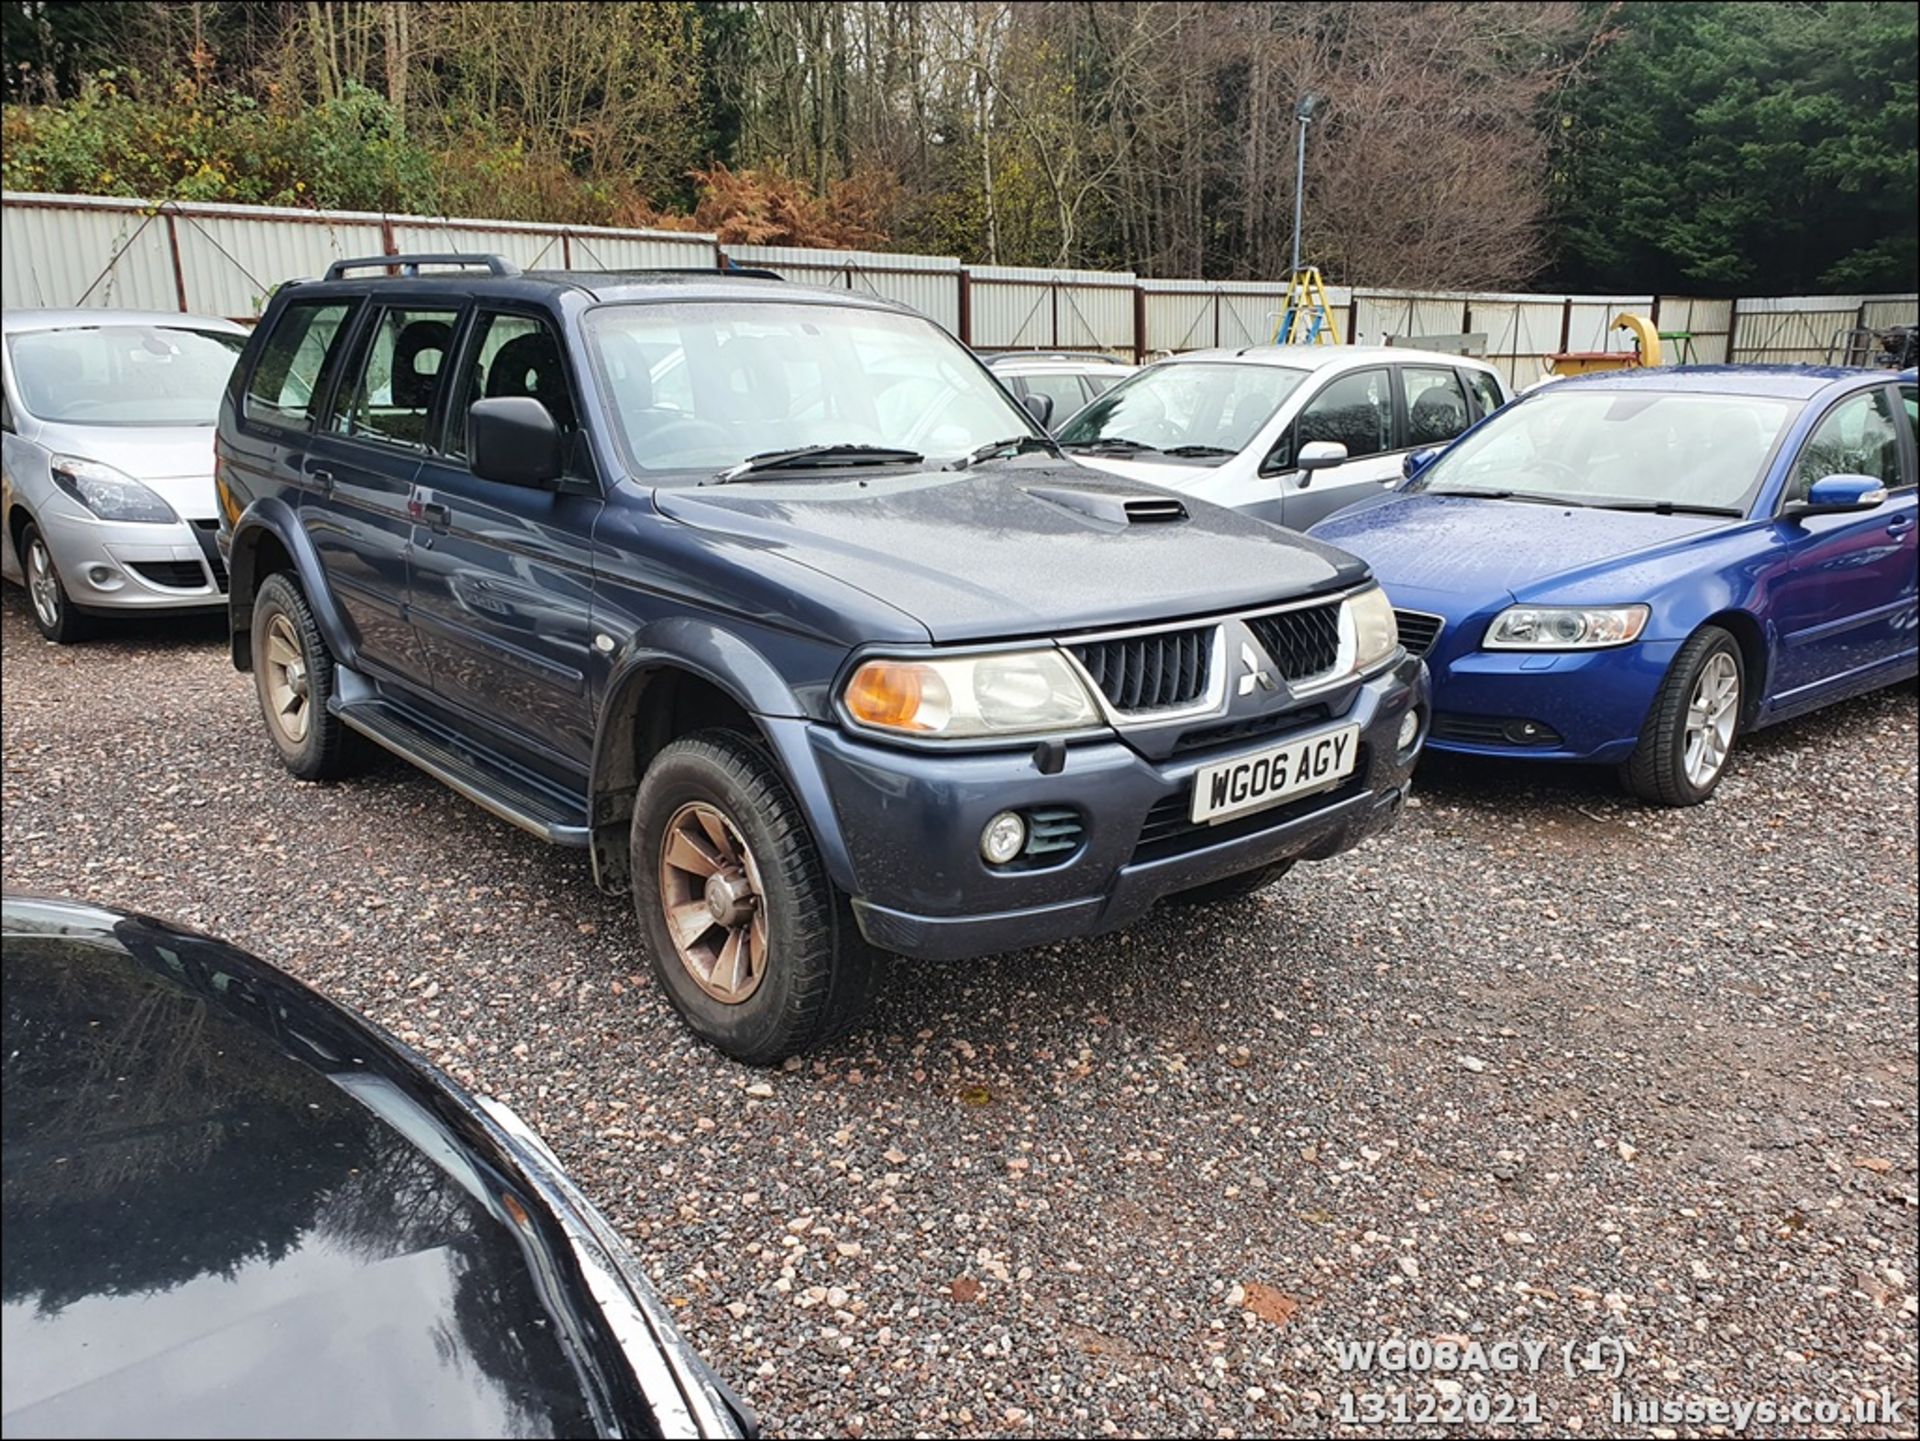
column 358, row 475
column 502, row 574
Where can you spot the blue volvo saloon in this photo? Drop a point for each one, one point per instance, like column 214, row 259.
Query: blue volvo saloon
column 1635, row 569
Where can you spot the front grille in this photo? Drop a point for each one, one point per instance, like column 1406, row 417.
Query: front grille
column 1162, row 671
column 1418, row 630
column 178, row 574
column 1300, row 643
column 206, row 532
column 1240, row 731
column 1491, row 730
column 1170, row 831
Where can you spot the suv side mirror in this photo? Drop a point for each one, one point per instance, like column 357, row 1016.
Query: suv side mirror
column 1039, row 406
column 513, row 439
column 1832, row 494
column 1419, row 460
column 1320, row 455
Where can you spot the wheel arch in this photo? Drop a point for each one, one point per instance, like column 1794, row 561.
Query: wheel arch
column 267, row 539
column 1755, row 658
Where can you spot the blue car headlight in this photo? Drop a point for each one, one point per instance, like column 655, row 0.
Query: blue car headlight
column 110, row 494
column 1557, row 627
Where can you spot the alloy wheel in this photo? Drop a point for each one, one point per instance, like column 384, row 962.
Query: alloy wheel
column 1712, row 714
column 714, row 903
column 288, row 692
column 43, row 587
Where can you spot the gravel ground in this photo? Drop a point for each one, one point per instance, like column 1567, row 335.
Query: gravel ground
column 1541, row 1065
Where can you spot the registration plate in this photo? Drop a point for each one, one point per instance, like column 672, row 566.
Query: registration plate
column 1251, row 783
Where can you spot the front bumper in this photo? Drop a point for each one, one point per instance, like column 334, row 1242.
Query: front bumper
column 1594, row 702
column 906, row 826
column 122, row 565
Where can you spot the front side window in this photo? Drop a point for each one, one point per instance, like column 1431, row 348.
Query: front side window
column 1631, row 448
column 1856, row 438
column 1486, row 390
column 397, row 377
column 513, row 355
column 1436, row 405
column 123, row 374
column 704, row 385
column 1355, row 410
column 283, row 385
column 1202, row 410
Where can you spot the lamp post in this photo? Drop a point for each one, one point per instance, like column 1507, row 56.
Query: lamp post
column 1310, row 105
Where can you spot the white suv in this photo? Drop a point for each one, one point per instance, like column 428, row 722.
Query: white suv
column 1290, row 433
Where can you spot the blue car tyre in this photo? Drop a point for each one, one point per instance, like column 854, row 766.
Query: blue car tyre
column 293, row 677
column 1692, row 726
column 757, row 950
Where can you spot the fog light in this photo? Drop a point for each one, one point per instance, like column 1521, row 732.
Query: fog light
column 1409, row 729
column 1004, row 838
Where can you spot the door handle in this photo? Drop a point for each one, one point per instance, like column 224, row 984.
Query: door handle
column 430, row 513
column 1899, row 525
column 322, row 478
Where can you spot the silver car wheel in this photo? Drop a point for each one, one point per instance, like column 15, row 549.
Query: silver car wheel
column 1712, row 713
column 43, row 586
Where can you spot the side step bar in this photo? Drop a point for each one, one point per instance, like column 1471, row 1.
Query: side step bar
column 511, row 793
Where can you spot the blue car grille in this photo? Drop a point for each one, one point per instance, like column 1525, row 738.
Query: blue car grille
column 1162, row 671
column 1300, row 643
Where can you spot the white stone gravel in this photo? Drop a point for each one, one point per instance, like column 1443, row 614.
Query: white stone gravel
column 1542, row 1064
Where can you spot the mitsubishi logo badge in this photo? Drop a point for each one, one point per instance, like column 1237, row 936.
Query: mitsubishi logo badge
column 1256, row 674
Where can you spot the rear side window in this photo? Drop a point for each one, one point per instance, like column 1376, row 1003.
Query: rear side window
column 1063, row 390
column 284, row 383
column 512, row 355
column 1910, row 408
column 1436, row 405
column 1486, row 390
column 396, row 378
column 1356, row 410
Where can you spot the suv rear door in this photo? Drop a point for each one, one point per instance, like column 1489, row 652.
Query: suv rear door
column 502, row 588
column 359, row 472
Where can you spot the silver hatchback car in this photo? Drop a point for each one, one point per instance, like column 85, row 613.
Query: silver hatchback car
column 107, row 490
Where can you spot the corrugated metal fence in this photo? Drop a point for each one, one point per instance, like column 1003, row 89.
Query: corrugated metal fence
column 67, row 250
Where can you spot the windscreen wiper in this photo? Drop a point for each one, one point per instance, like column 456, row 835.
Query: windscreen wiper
column 813, row 457
column 1012, row 445
column 1529, row 497
column 1198, row 450
column 1110, row 442
column 1669, row 507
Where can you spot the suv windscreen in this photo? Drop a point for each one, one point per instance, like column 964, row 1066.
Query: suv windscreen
column 123, row 374
column 705, row 385
column 1217, row 407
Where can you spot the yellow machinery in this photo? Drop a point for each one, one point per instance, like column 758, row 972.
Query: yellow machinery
column 1308, row 318
column 1646, row 351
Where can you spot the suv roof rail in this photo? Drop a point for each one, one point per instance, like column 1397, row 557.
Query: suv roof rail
column 698, row 272
column 410, row 264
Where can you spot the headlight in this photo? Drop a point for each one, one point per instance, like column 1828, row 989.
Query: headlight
column 1376, row 634
column 1553, row 627
column 1013, row 693
column 109, row 493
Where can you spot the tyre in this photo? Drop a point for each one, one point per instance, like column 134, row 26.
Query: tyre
column 754, row 945
column 1689, row 733
column 47, row 597
column 293, row 676
column 1230, row 888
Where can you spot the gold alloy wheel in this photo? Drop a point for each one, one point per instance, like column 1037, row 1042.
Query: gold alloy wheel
column 714, row 905
column 289, row 702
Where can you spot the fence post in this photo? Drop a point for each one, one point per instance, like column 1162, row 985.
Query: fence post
column 1733, row 326
column 966, row 306
column 179, row 273
column 1566, row 323
column 566, row 250
column 1053, row 291
column 1139, row 323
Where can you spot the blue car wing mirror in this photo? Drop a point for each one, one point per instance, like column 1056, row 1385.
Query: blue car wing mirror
column 1833, row 494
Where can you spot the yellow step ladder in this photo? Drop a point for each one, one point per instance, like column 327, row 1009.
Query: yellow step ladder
column 1308, row 318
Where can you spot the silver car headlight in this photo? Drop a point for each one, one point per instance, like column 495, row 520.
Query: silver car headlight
column 1376, row 634
column 1007, row 693
column 1559, row 627
column 110, row 494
